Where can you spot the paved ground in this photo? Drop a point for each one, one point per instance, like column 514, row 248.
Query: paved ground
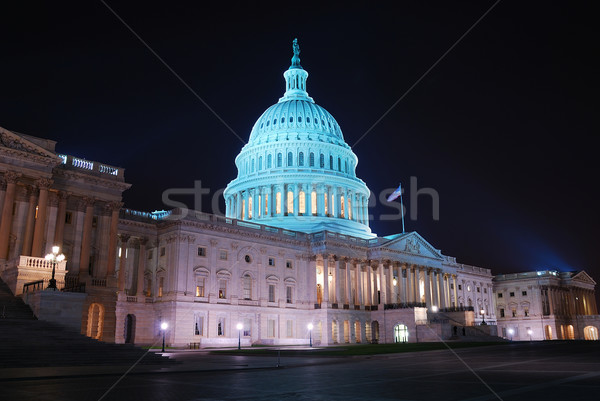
column 519, row 371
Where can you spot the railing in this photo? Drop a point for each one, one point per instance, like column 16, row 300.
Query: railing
column 40, row 263
column 33, row 286
column 458, row 309
column 405, row 305
column 79, row 287
column 98, row 282
column 131, row 298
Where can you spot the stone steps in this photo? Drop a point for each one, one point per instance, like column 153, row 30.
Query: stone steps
column 12, row 307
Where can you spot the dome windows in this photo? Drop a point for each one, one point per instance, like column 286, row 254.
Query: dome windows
column 279, row 160
column 307, row 120
column 290, row 159
column 299, row 119
column 311, row 159
column 322, row 161
column 282, row 120
column 301, row 159
column 291, row 119
column 268, row 123
column 274, row 121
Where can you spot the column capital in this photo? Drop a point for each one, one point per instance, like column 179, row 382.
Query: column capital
column 11, row 177
column 113, row 206
column 124, row 238
column 44, row 183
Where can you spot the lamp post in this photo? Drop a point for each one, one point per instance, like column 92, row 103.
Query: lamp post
column 310, row 327
column 434, row 309
column 530, row 332
column 511, row 332
column 240, row 327
column 54, row 257
column 483, row 323
column 164, row 326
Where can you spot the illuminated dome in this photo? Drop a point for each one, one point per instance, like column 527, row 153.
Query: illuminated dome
column 296, row 171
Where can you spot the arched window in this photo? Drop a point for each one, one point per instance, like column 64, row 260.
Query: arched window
column 278, row 203
column 346, row 167
column 291, row 119
column 330, row 162
column 299, row 119
column 311, row 159
column 301, row 159
column 260, row 163
column 339, row 164
column 269, row 161
column 290, row 159
column 313, row 202
column 279, row 159
column 301, row 202
column 400, row 333
column 290, row 202
column 282, row 120
column 308, row 120
column 322, row 160
column 247, row 286
column 252, row 164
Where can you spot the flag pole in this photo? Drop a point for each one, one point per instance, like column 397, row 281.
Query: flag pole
column 401, row 207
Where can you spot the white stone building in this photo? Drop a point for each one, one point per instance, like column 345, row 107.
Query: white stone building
column 293, row 249
column 546, row 305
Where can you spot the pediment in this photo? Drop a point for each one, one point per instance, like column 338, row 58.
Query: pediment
column 412, row 243
column 15, row 142
column 583, row 277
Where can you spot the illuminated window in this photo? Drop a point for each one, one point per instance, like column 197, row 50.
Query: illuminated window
column 199, row 286
column 350, row 208
column 243, row 208
column 332, row 205
column 326, row 208
column 343, row 208
column 278, row 203
column 259, row 203
column 514, row 312
column 266, row 204
column 249, row 208
column 161, row 283
column 222, row 289
column 302, row 202
column 313, row 202
column 526, row 312
column 290, row 202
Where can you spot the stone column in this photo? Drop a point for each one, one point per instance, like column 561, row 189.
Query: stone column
column 392, row 290
column 349, row 299
column 40, row 222
column 59, row 229
column 369, row 300
column 409, row 284
column 114, row 208
column 29, row 224
column 122, row 260
column 416, row 288
column 359, row 283
column 11, row 179
column 455, row 290
column 86, row 239
column 428, row 287
column 383, row 283
column 141, row 268
column 441, row 289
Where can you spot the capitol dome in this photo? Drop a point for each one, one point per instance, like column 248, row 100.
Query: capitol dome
column 296, row 171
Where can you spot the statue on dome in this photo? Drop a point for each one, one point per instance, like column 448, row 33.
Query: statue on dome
column 296, row 58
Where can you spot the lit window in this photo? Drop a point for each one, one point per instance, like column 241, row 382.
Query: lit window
column 222, row 289
column 343, row 207
column 302, row 202
column 278, row 203
column 290, row 202
column 266, row 204
column 313, row 203
column 514, row 312
column 161, row 283
column 249, row 208
column 526, row 312
column 200, row 286
column 326, row 208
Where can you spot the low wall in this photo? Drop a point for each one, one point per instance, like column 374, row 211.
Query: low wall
column 64, row 308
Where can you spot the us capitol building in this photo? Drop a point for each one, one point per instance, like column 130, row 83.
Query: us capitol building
column 293, row 251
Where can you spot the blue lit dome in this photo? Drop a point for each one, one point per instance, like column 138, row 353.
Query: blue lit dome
column 296, row 171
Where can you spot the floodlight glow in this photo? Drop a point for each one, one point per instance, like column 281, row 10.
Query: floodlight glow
column 434, row 308
column 310, row 326
column 164, row 325
column 240, row 326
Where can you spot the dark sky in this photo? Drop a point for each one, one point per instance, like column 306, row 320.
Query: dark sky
column 502, row 128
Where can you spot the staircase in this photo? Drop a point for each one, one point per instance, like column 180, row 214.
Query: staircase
column 27, row 342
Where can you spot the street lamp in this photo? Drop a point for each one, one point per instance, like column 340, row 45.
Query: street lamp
column 54, row 257
column 164, row 326
column 434, row 309
column 240, row 327
column 511, row 332
column 530, row 332
column 310, row 327
column 395, row 281
column 483, row 323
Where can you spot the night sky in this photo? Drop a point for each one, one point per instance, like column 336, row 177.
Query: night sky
column 502, row 128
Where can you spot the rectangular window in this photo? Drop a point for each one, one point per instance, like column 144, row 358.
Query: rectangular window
column 94, row 221
column 478, row 289
column 278, row 203
column 512, row 294
column 514, row 313
column 162, row 251
column 247, row 331
column 460, row 286
column 222, row 289
column 524, row 293
column 221, row 326
column 198, row 325
column 451, row 286
column 290, row 328
column 500, row 295
column 271, row 328
column 68, row 217
column 271, row 261
column 313, row 203
column 200, row 286
column 302, row 202
column 485, row 290
column 161, row 283
column 288, row 295
column 526, row 312
column 501, row 312
column 266, row 204
column 223, row 254
column 271, row 293
column 150, row 254
column 504, row 332
column 201, row 251
column 289, row 264
column 290, row 202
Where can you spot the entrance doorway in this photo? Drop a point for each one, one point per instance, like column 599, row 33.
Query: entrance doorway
column 400, row 333
column 590, row 333
column 130, row 329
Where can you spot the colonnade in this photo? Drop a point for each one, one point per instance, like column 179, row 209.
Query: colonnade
column 32, row 229
column 349, row 281
column 298, row 200
column 572, row 301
